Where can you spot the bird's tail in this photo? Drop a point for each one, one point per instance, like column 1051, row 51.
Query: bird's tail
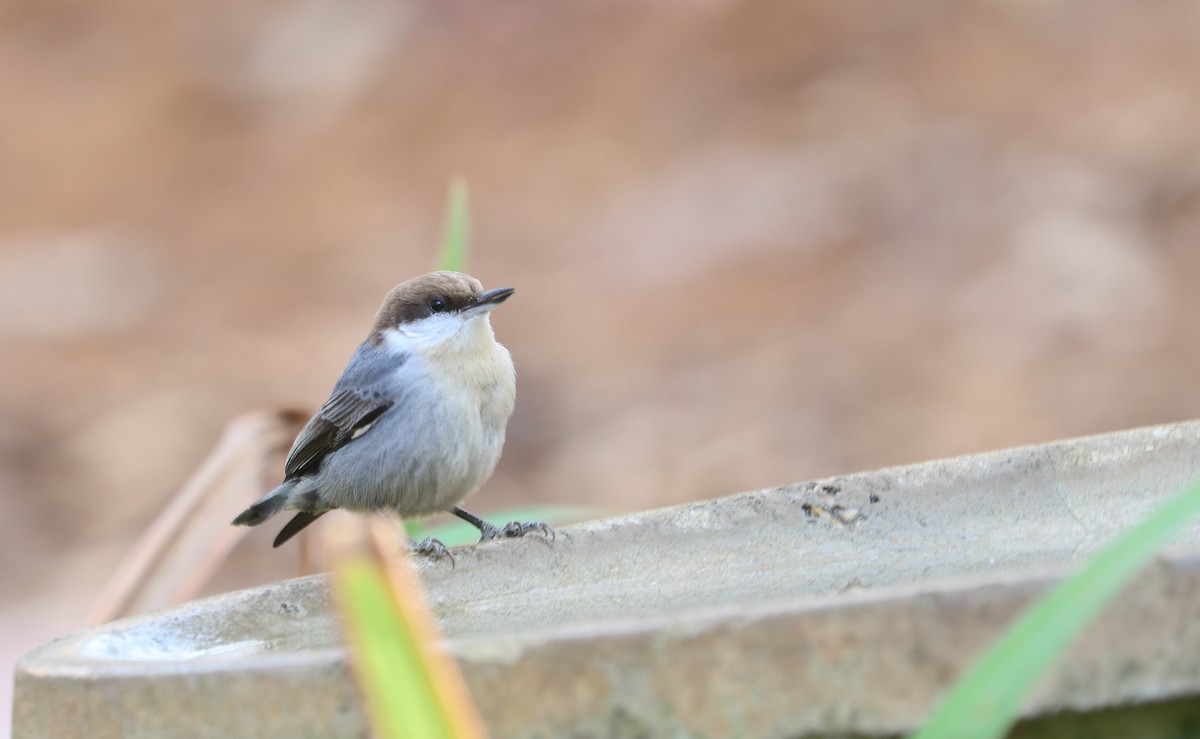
column 267, row 506
column 298, row 522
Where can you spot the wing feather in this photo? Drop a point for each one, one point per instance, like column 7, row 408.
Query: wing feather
column 346, row 412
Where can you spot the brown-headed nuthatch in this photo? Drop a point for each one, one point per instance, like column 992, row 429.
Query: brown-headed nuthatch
column 416, row 422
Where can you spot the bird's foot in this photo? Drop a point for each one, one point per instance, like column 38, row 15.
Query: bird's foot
column 515, row 530
column 430, row 547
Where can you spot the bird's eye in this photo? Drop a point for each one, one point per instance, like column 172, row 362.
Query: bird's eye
column 437, row 305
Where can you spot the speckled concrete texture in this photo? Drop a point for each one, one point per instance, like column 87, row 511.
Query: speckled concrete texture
column 843, row 605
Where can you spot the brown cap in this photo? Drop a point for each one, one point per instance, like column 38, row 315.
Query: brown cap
column 417, row 298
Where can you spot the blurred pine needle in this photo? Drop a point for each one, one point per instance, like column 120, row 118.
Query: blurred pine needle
column 985, row 702
column 412, row 687
column 456, row 234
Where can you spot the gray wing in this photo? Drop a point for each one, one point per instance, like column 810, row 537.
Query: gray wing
column 347, row 415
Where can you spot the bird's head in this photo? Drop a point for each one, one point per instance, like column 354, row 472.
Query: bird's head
column 441, row 312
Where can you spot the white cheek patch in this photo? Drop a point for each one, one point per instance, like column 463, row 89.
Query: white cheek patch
column 397, row 342
column 425, row 334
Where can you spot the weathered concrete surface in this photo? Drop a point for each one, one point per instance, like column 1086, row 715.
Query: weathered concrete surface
column 844, row 605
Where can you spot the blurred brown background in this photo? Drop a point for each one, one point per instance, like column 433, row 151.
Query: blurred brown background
column 754, row 243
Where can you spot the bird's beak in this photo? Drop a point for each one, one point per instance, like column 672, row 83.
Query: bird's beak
column 487, row 301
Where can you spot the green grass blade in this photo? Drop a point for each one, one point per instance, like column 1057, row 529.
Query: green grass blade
column 401, row 694
column 461, row 532
column 985, row 701
column 456, row 234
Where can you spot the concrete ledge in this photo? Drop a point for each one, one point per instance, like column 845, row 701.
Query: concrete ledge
column 839, row 606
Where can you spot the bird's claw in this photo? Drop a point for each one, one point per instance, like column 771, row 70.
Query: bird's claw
column 516, row 530
column 430, row 547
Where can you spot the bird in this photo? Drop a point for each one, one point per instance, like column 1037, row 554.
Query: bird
column 416, row 422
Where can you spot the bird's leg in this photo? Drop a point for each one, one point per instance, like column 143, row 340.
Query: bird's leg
column 511, row 530
column 487, row 530
column 427, row 547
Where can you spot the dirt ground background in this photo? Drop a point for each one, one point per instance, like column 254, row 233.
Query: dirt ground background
column 753, row 243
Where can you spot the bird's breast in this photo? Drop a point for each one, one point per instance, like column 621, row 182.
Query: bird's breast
column 484, row 382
